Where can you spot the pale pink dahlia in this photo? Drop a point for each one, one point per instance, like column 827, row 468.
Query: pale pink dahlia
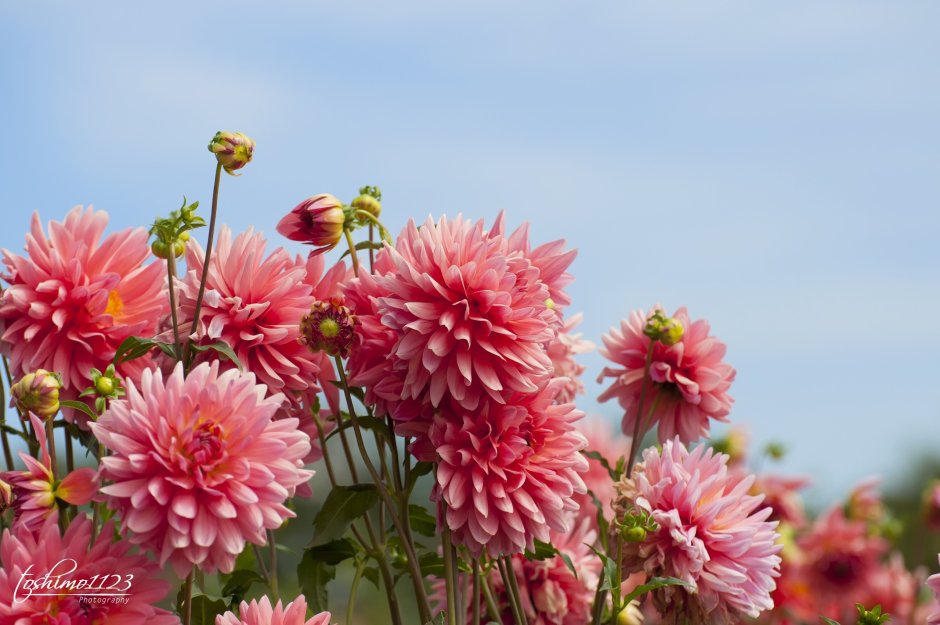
column 254, row 303
column 75, row 297
column 711, row 534
column 468, row 319
column 263, row 613
column 562, row 352
column 198, row 465
column 933, row 582
column 690, row 381
column 27, row 556
column 508, row 473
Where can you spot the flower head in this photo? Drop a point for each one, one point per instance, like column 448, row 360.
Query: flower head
column 37, row 393
column 75, row 297
column 328, row 327
column 562, row 351
column 710, row 533
column 262, row 613
column 508, row 473
column 690, row 381
column 24, row 553
column 612, row 446
column 233, row 150
column 198, row 465
column 317, row 221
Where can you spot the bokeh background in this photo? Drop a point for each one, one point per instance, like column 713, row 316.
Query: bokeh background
column 773, row 166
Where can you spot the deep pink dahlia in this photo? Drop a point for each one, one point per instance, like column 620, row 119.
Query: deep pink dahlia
column 711, row 534
column 469, row 318
column 75, row 297
column 690, row 381
column 198, row 465
column 562, row 351
column 508, row 473
column 26, row 555
column 254, row 303
column 317, row 221
column 263, row 613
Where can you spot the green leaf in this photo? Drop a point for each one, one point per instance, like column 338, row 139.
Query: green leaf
column 421, row 520
column 80, row 406
column 419, row 469
column 437, row 620
column 205, row 609
column 365, row 423
column 313, row 577
column 334, row 551
column 222, row 348
column 133, row 347
column 569, row 563
column 343, row 505
column 238, row 583
column 602, row 524
column 596, row 455
column 371, row 573
column 653, row 584
column 364, row 245
column 432, row 564
column 543, row 551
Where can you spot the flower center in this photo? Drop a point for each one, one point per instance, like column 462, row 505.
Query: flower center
column 329, row 328
column 115, row 304
column 205, row 447
column 839, row 569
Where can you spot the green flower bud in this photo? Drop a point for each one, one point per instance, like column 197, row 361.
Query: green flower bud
column 634, row 534
column 233, row 150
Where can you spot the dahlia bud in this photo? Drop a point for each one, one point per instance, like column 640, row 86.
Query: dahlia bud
column 369, row 204
column 328, row 327
column 634, row 534
column 105, row 386
column 6, row 496
column 654, row 325
column 317, row 221
column 233, row 150
column 871, row 617
column 671, row 332
column 37, row 392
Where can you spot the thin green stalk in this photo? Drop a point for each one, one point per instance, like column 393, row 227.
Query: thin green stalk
column 491, row 608
column 69, row 452
column 511, row 573
column 188, row 599
column 353, row 589
column 50, row 442
column 600, row 598
column 475, row 601
column 371, row 251
column 374, row 220
column 615, row 587
column 352, row 251
column 170, row 277
column 515, row 604
column 7, row 452
column 417, row 577
column 449, row 581
column 197, row 311
column 273, row 569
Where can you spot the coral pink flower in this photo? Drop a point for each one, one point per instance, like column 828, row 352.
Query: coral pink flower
column 470, row 318
column 317, row 221
column 933, row 582
column 782, row 496
column 612, row 446
column 24, row 554
column 254, row 303
column 562, row 352
column 711, row 534
column 508, row 473
column 690, row 381
column 36, row 492
column 262, row 613
column 75, row 297
column 198, row 465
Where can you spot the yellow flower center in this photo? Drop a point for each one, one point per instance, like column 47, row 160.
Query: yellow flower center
column 329, row 328
column 115, row 304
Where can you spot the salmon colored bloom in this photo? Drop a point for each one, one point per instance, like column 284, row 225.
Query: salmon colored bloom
column 262, row 613
column 562, row 351
column 37, row 493
column 76, row 296
column 508, row 473
column 198, row 465
column 690, row 379
column 317, row 221
column 710, row 533
column 612, row 446
column 26, row 555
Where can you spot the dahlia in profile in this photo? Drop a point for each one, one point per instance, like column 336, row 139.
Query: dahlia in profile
column 451, row 316
column 317, row 221
column 198, row 465
column 254, row 303
column 76, row 296
column 37, row 495
column 711, row 533
column 24, row 553
column 507, row 474
column 262, row 613
column 689, row 380
column 562, row 352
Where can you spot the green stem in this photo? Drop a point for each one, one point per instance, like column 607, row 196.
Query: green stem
column 273, row 569
column 170, row 277
column 7, row 452
column 615, row 589
column 197, row 311
column 353, row 589
column 417, row 577
column 50, row 442
column 352, row 251
column 371, row 251
column 475, row 605
column 449, row 581
column 600, row 598
column 508, row 574
column 69, row 452
column 188, row 599
column 383, row 232
column 491, row 608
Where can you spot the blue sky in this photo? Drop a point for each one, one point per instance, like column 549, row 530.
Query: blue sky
column 773, row 166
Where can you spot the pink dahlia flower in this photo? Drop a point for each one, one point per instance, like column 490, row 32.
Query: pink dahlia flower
column 317, row 221
column 612, row 446
column 27, row 556
column 711, row 534
column 933, row 582
column 198, row 465
column 254, row 303
column 37, row 495
column 690, row 381
column 469, row 318
column 562, row 352
column 262, row 613
column 75, row 297
column 508, row 473
column 782, row 496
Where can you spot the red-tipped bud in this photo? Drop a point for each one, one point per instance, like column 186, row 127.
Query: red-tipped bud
column 233, row 150
column 37, row 392
column 317, row 221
